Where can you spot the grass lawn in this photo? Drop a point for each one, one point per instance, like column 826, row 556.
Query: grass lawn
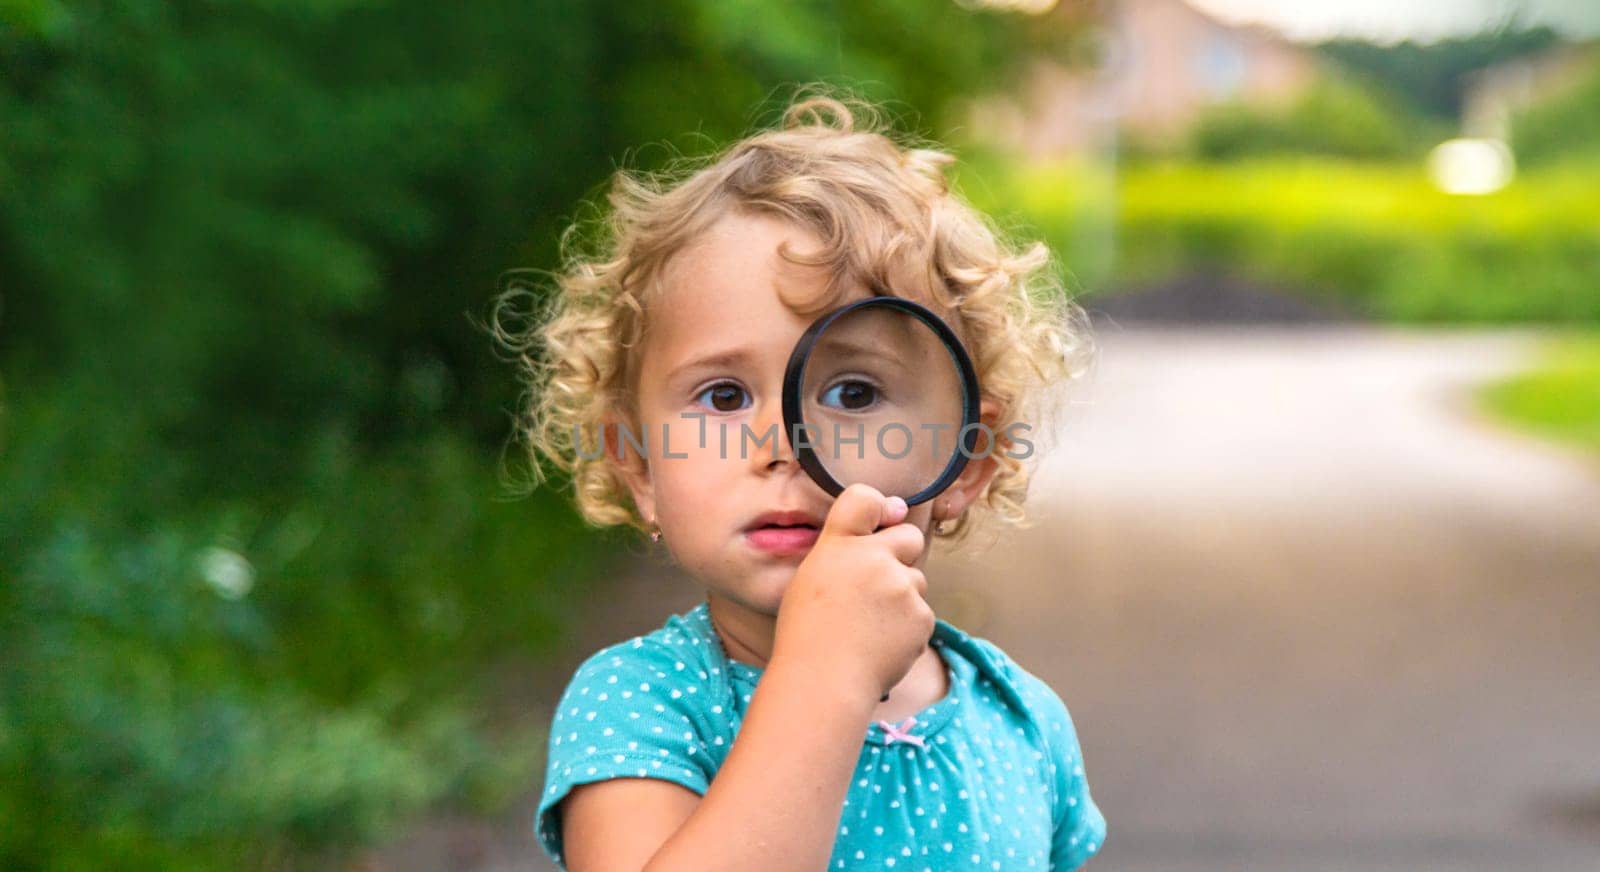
column 1560, row 396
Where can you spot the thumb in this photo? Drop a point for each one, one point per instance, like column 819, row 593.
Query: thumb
column 860, row 510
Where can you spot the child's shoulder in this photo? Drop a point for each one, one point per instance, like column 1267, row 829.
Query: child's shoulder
column 1080, row 827
column 1023, row 688
column 647, row 707
column 665, row 644
column 675, row 660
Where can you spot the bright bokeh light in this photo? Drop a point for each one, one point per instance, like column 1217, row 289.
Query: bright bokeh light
column 1471, row 166
column 227, row 571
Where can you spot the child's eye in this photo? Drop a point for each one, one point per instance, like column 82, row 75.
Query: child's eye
column 851, row 395
column 724, row 396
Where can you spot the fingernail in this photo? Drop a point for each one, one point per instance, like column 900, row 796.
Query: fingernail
column 896, row 505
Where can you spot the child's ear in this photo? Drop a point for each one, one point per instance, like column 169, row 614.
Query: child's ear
column 979, row 471
column 623, row 455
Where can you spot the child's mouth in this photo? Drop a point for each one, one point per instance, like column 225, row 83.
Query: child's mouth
column 782, row 539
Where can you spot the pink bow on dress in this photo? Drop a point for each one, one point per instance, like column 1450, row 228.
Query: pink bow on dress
column 900, row 733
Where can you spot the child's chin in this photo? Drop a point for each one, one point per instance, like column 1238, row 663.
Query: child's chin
column 770, row 586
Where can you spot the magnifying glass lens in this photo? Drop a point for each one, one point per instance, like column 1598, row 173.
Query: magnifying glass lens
column 883, row 399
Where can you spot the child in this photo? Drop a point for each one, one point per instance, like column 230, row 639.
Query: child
column 753, row 731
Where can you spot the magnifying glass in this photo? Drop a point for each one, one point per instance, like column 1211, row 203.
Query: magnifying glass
column 881, row 391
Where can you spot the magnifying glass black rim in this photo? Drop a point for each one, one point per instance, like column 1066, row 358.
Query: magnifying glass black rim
column 795, row 373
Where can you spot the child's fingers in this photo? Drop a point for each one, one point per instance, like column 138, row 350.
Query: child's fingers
column 858, row 511
column 905, row 541
column 919, row 580
column 894, row 511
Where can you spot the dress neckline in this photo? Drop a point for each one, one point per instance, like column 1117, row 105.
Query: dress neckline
column 927, row 722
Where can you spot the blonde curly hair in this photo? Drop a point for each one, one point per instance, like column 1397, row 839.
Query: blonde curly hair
column 888, row 220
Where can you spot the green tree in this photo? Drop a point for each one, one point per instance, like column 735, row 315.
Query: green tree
column 253, row 570
column 1431, row 76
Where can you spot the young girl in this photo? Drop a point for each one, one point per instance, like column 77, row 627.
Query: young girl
column 753, row 731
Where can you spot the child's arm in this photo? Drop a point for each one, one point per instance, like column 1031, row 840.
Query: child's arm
column 774, row 804
column 852, row 623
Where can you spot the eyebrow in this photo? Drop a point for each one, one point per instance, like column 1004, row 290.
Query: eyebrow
column 839, row 345
column 716, row 359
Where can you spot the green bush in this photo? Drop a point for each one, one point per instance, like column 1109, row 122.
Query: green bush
column 1333, row 118
column 1379, row 238
column 264, row 680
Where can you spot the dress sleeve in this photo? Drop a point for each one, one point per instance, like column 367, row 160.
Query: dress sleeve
column 1080, row 827
column 628, row 712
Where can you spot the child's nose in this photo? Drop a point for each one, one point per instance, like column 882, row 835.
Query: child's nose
column 775, row 451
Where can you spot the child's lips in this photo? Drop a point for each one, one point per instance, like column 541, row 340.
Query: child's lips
column 782, row 540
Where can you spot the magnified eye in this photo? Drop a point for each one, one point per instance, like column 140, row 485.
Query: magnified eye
column 724, row 397
column 852, row 395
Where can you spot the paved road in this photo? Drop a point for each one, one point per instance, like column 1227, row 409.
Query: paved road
column 1308, row 610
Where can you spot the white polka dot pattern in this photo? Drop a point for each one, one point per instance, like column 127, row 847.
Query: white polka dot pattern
column 997, row 781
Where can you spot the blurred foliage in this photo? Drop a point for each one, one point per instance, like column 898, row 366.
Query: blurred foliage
column 1377, row 238
column 1560, row 396
column 1564, row 127
column 254, row 570
column 1333, row 117
column 1432, row 76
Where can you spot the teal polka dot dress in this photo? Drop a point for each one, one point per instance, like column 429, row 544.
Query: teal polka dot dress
column 990, row 777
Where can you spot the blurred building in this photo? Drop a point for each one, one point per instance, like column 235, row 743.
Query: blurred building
column 1155, row 66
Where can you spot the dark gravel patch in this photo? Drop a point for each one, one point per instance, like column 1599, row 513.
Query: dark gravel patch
column 1211, row 298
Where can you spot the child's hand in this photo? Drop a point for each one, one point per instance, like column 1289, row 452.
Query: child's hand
column 855, row 609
